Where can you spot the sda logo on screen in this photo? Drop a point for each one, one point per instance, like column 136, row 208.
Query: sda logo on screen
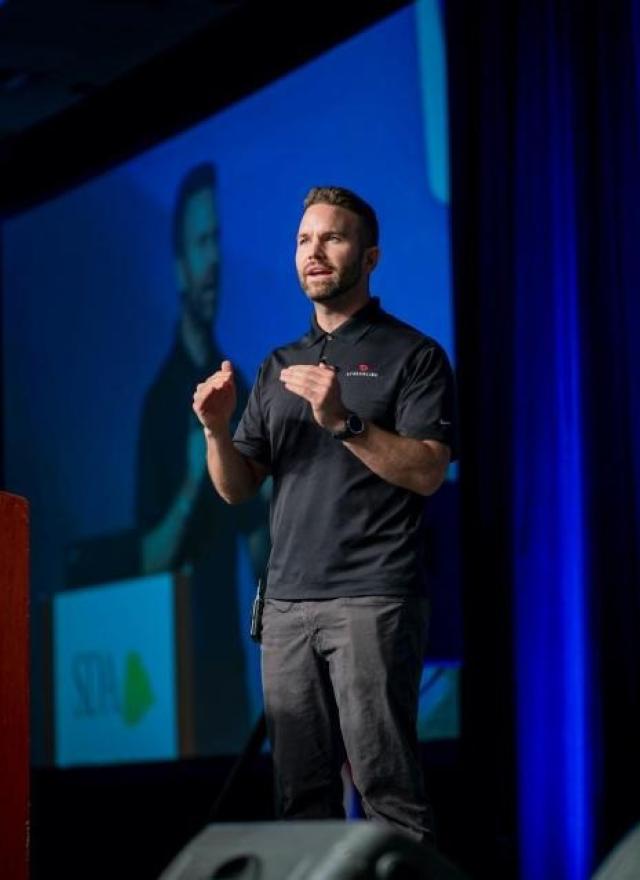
column 115, row 673
column 101, row 690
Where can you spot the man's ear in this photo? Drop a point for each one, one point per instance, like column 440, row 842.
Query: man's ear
column 371, row 257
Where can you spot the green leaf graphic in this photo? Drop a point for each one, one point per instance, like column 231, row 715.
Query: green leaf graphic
column 138, row 693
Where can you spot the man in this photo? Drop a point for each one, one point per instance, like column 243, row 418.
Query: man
column 184, row 524
column 354, row 423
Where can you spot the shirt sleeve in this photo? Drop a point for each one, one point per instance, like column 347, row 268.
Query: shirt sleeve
column 251, row 437
column 425, row 408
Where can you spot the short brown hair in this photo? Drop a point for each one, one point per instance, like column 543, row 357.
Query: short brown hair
column 345, row 198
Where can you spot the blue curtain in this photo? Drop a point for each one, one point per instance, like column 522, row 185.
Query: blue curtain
column 550, row 578
column 545, row 114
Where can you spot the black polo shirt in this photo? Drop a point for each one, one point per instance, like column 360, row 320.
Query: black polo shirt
column 337, row 528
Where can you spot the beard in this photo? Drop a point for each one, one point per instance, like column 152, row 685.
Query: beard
column 328, row 289
column 200, row 299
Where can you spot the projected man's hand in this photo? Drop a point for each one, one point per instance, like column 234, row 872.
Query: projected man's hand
column 214, row 401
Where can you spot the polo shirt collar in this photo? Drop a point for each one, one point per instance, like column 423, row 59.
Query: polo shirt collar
column 352, row 330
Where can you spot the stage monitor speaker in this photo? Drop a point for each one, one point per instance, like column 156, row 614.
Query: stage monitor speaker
column 623, row 862
column 312, row 850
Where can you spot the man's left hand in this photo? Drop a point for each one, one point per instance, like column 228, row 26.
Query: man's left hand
column 319, row 386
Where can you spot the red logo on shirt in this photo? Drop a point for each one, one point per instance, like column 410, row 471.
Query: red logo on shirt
column 365, row 371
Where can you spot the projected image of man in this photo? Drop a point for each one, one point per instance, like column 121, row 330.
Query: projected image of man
column 184, row 524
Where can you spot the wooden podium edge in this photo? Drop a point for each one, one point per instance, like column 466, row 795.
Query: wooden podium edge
column 14, row 685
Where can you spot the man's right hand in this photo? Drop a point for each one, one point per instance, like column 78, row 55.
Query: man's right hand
column 214, row 401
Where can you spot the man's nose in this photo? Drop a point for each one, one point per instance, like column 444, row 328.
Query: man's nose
column 317, row 246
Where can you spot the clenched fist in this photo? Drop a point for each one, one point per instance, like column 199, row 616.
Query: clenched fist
column 319, row 386
column 214, row 401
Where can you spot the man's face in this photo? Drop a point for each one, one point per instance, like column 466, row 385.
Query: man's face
column 330, row 257
column 199, row 264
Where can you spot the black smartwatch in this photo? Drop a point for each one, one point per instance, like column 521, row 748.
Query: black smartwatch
column 353, row 427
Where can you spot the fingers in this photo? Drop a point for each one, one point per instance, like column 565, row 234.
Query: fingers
column 314, row 383
column 306, row 384
column 319, row 386
column 217, row 382
column 323, row 375
column 223, row 377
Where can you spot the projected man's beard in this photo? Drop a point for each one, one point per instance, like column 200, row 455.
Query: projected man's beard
column 201, row 296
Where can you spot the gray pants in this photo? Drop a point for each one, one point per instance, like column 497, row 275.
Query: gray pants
column 343, row 675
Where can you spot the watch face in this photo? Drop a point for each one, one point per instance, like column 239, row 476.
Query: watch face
column 353, row 427
column 354, row 424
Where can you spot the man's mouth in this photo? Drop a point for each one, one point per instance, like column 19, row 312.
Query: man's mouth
column 318, row 270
